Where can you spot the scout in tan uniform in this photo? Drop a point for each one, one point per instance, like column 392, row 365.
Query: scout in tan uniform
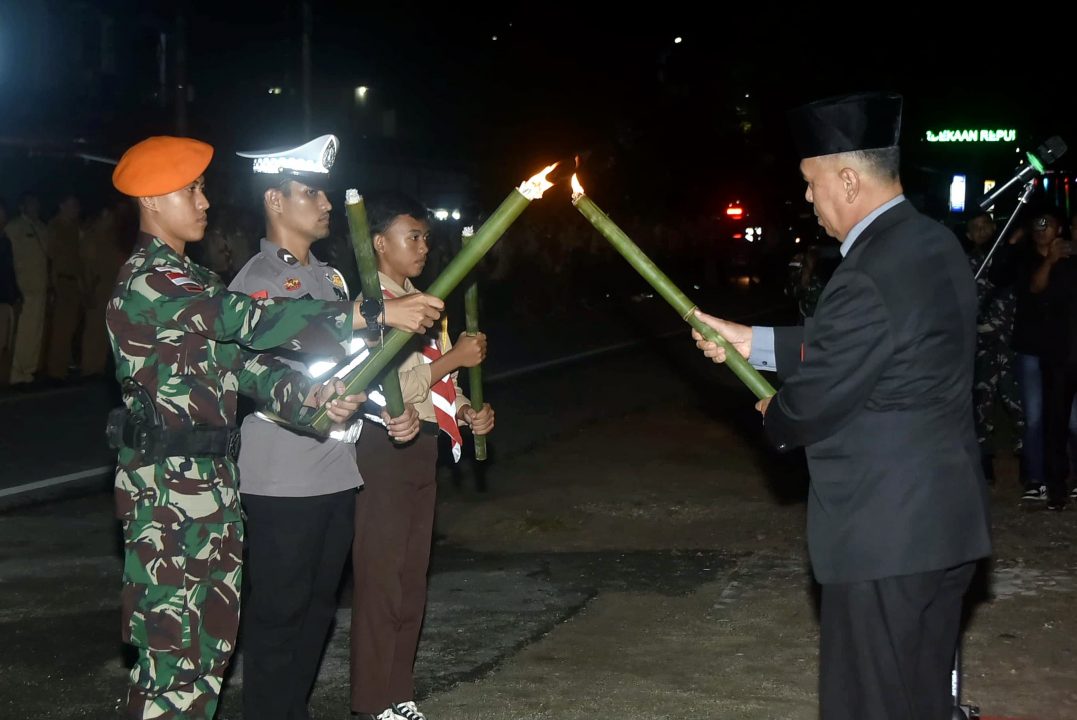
column 395, row 510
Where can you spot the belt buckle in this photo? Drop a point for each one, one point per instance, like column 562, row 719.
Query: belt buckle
column 234, row 440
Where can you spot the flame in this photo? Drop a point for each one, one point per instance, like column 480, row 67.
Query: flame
column 533, row 187
column 577, row 189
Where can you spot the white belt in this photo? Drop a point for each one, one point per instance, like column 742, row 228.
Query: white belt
column 319, row 371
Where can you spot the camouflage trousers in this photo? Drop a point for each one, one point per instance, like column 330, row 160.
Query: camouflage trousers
column 181, row 612
column 995, row 380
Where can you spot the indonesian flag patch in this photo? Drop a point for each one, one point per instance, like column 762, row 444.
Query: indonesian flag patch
column 181, row 279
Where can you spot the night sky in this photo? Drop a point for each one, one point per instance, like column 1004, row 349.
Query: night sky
column 703, row 117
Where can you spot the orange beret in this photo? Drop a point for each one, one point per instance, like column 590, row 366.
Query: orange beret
column 161, row 165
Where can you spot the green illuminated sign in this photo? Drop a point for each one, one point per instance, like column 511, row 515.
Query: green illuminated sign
column 971, row 136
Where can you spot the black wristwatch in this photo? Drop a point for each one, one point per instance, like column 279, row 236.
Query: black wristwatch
column 371, row 309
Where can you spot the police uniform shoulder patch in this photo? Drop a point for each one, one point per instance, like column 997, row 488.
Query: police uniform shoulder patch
column 340, row 287
column 287, row 257
column 180, row 278
column 292, row 284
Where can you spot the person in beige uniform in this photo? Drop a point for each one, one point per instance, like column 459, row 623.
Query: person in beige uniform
column 29, row 243
column 65, row 276
column 102, row 257
column 394, row 512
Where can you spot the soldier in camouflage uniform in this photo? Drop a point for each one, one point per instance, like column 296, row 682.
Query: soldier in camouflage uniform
column 185, row 347
column 994, row 368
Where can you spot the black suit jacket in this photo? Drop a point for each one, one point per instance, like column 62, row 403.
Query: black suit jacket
column 878, row 388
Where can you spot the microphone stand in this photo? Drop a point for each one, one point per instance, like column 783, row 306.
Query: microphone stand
column 1022, row 200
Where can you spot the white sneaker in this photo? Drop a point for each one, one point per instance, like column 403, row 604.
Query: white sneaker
column 1035, row 493
column 408, row 711
column 390, row 714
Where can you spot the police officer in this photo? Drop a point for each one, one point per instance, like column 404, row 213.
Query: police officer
column 298, row 490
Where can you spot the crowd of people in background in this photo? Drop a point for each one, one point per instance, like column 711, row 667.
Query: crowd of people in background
column 56, row 275
column 1026, row 358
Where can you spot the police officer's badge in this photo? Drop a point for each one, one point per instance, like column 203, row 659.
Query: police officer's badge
column 340, row 287
column 313, row 159
column 292, row 284
column 329, row 154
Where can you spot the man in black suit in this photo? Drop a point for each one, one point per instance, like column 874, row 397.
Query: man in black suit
column 878, row 389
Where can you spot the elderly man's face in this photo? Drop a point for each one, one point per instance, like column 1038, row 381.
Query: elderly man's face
column 826, row 192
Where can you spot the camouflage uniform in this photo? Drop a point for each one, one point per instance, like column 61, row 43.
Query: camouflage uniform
column 994, row 369
column 176, row 330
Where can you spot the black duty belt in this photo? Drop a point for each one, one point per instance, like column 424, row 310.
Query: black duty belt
column 156, row 443
column 200, row 442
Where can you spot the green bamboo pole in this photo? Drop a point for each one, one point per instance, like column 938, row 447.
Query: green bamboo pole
column 454, row 273
column 367, row 262
column 471, row 315
column 668, row 290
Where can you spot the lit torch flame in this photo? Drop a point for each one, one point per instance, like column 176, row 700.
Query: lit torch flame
column 533, row 188
column 577, row 189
